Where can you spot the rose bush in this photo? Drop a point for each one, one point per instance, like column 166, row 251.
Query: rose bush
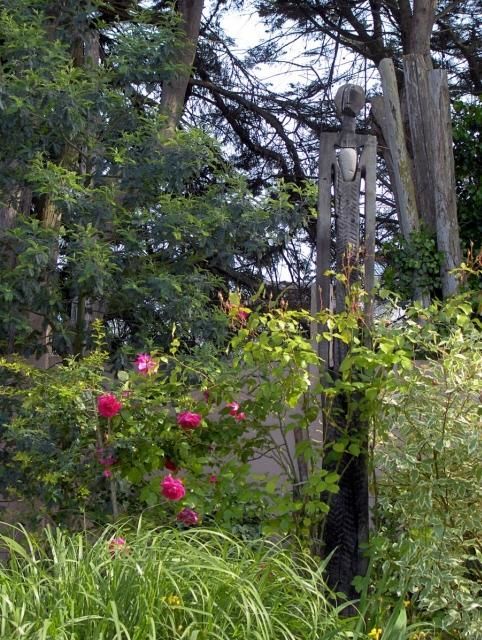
column 185, row 417
column 201, row 419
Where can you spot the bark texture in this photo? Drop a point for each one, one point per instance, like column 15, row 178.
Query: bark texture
column 174, row 89
column 388, row 114
column 431, row 136
column 423, row 182
column 422, row 20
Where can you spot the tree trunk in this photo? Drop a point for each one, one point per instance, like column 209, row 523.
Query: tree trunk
column 174, row 89
column 424, row 187
column 423, row 18
column 19, row 203
column 85, row 52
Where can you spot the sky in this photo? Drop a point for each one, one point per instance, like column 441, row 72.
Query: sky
column 247, row 30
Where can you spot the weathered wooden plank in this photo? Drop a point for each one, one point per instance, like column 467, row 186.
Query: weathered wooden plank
column 441, row 142
column 323, row 231
column 370, row 162
column 394, row 134
column 421, row 130
column 378, row 114
column 322, row 289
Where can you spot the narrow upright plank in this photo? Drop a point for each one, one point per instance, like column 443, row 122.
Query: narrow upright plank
column 448, row 240
column 323, row 233
column 417, row 96
column 394, row 134
column 370, row 161
column 323, row 230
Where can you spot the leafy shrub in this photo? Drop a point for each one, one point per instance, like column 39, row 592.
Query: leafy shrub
column 413, row 265
column 72, row 457
column 429, row 499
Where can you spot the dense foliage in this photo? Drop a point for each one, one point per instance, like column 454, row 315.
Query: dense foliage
column 413, row 265
column 427, row 484
column 175, row 439
column 468, row 167
column 138, row 258
column 103, row 215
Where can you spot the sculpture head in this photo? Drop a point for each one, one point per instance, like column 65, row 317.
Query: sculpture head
column 349, row 100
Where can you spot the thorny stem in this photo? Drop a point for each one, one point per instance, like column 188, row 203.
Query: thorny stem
column 112, row 482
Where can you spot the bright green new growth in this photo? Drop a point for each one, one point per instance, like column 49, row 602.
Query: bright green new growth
column 196, row 585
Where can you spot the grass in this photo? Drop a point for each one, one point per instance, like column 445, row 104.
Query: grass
column 161, row 585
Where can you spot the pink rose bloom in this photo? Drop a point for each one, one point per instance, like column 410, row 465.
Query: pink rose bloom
column 108, row 406
column 171, row 465
column 240, row 416
column 107, row 473
column 116, row 545
column 172, row 488
column 188, row 420
column 145, row 364
column 234, row 408
column 243, row 316
column 213, row 479
column 188, row 517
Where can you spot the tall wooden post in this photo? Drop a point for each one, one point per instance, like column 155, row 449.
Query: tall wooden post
column 423, row 182
column 346, row 159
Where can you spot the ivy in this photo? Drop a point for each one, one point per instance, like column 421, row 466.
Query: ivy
column 413, row 266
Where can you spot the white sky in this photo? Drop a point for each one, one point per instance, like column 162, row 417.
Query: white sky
column 248, row 31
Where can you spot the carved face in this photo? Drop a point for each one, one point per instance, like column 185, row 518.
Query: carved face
column 349, row 100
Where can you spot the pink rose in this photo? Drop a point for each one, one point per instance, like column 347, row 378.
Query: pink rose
column 145, row 364
column 172, row 488
column 108, row 406
column 235, row 412
column 107, row 461
column 234, row 408
column 213, row 479
column 243, row 316
column 188, row 420
column 188, row 517
column 107, row 473
column 116, row 545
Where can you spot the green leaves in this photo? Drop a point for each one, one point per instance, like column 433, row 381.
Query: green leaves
column 413, row 266
column 149, row 227
column 427, row 486
column 162, row 584
column 467, row 124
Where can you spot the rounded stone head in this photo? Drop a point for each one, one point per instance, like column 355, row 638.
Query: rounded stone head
column 349, row 100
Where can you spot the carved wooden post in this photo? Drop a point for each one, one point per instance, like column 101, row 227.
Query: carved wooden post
column 346, row 158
